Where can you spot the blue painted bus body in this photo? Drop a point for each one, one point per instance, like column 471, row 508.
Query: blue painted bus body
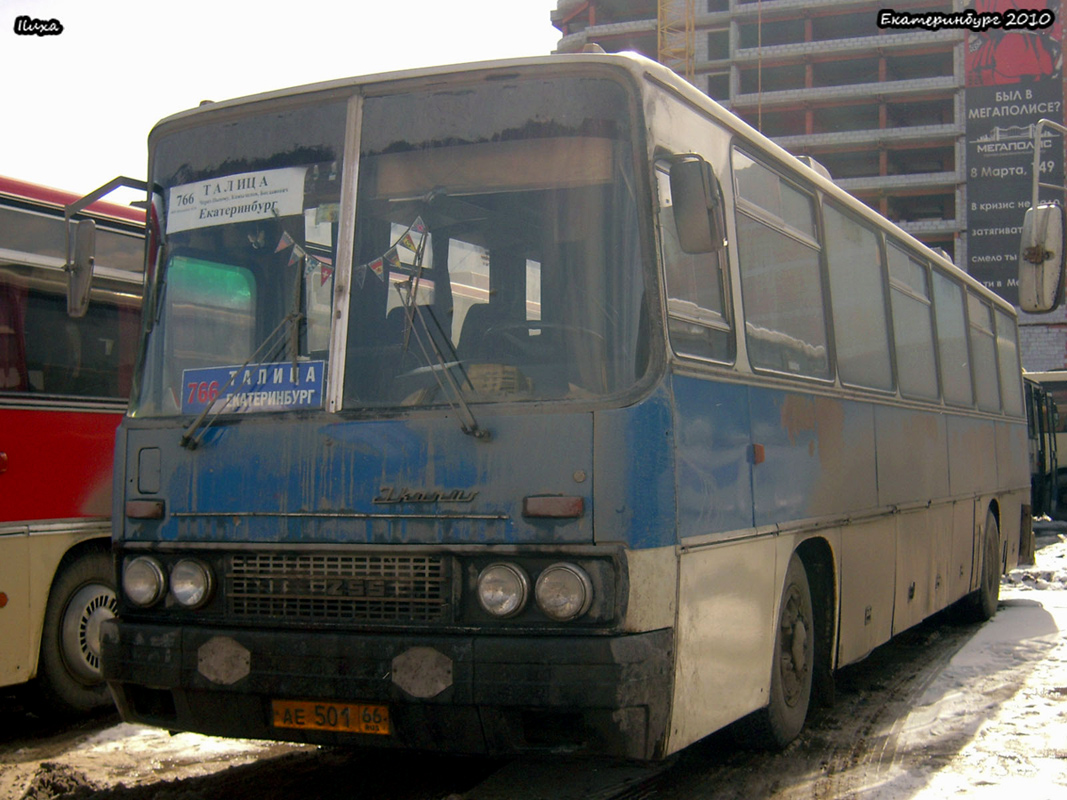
column 330, row 480
column 419, row 480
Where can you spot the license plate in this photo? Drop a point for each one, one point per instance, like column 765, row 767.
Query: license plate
column 343, row 717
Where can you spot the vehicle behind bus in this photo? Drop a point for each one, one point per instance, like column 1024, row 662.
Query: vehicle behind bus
column 1048, row 437
column 538, row 406
column 63, row 387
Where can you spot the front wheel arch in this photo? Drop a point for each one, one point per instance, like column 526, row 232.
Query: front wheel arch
column 792, row 669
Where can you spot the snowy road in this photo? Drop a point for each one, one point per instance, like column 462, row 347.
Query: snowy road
column 945, row 710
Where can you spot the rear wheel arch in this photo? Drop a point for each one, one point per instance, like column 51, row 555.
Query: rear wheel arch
column 82, row 594
column 981, row 604
column 818, row 559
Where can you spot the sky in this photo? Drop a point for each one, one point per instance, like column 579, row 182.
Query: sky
column 78, row 106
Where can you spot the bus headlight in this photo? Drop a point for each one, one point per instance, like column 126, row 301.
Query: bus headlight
column 143, row 581
column 503, row 589
column 190, row 583
column 563, row 592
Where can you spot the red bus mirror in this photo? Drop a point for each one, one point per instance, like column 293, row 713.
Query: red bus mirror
column 80, row 268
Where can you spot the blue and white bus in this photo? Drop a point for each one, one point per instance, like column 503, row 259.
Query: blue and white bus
column 538, row 405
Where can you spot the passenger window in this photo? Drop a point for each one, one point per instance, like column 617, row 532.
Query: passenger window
column 44, row 351
column 857, row 296
column 913, row 330
column 1008, row 357
column 697, row 319
column 768, row 191
column 781, row 278
column 984, row 350
column 952, row 340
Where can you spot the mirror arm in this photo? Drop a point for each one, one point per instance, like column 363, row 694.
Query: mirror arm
column 76, row 306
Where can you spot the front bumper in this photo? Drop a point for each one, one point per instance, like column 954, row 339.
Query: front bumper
column 486, row 694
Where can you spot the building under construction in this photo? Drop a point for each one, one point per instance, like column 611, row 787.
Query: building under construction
column 905, row 117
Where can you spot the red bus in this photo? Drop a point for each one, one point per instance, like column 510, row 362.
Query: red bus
column 64, row 382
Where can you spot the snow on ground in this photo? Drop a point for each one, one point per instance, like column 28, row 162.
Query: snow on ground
column 137, row 753
column 993, row 723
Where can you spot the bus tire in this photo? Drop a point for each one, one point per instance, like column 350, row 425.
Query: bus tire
column 781, row 721
column 981, row 605
column 81, row 598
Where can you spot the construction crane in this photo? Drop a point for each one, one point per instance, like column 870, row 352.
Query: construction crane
column 675, row 22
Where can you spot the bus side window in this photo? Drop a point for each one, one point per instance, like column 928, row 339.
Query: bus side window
column 984, row 352
column 1008, row 357
column 781, row 277
column 952, row 340
column 698, row 321
column 42, row 350
column 13, row 371
column 913, row 327
column 857, row 293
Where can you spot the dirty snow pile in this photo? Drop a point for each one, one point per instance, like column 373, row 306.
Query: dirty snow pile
column 1050, row 572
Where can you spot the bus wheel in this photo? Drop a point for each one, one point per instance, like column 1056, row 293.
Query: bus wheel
column 782, row 720
column 982, row 604
column 82, row 597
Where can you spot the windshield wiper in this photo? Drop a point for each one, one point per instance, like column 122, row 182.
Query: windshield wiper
column 291, row 321
column 440, row 366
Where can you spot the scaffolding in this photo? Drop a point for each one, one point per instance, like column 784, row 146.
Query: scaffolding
column 675, row 26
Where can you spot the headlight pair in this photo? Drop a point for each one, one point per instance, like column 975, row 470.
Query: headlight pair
column 145, row 582
column 563, row 591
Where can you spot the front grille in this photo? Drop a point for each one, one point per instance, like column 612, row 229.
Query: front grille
column 339, row 588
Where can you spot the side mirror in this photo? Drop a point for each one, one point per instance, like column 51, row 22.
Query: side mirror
column 82, row 255
column 80, row 268
column 695, row 197
column 1041, row 259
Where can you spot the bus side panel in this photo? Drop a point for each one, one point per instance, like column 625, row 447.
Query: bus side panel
column 966, row 555
column 74, row 449
column 912, row 455
column 728, row 596
column 944, row 580
column 713, row 436
column 972, row 454
column 868, row 553
column 1011, row 450
column 919, row 543
column 1013, row 471
column 633, row 449
column 15, row 660
column 37, row 556
column 818, row 456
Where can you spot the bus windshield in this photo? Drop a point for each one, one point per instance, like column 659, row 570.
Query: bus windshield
column 497, row 238
column 496, row 254
column 248, row 213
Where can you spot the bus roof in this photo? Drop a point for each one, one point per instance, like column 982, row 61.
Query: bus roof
column 58, row 199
